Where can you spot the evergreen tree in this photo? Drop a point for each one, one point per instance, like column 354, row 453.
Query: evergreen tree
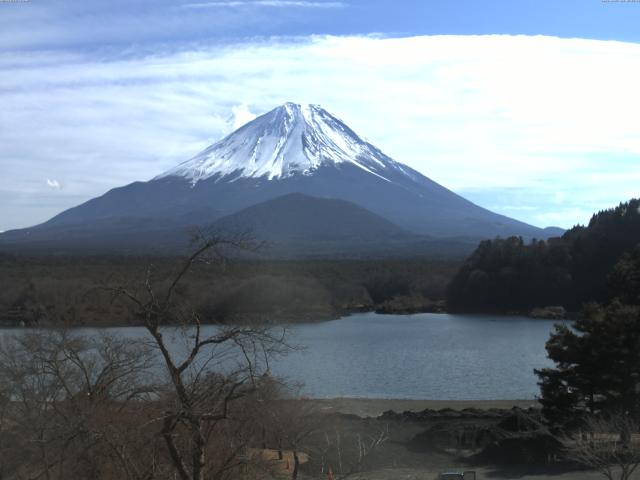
column 624, row 280
column 597, row 365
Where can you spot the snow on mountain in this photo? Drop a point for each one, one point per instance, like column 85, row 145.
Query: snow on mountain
column 289, row 140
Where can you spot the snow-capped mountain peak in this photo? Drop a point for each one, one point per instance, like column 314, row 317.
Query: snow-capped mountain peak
column 290, row 140
column 300, row 149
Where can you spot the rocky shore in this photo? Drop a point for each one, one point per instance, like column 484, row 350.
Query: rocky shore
column 375, row 407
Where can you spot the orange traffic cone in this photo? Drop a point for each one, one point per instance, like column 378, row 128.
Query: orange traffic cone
column 330, row 474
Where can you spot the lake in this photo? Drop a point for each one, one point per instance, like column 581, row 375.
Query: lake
column 424, row 356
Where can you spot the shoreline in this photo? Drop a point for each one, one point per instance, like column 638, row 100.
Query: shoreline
column 374, row 407
column 284, row 322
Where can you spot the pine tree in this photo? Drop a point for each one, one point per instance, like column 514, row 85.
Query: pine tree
column 597, row 365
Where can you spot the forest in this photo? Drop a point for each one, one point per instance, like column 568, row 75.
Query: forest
column 72, row 290
column 596, row 262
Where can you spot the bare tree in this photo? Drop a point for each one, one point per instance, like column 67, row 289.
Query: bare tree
column 103, row 407
column 609, row 444
column 69, row 398
column 347, row 455
column 215, row 368
column 290, row 423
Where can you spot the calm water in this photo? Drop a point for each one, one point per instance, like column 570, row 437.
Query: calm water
column 425, row 356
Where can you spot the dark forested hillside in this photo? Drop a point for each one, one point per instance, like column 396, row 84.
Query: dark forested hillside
column 591, row 263
column 69, row 290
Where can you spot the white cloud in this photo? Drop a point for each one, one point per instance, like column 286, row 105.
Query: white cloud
column 241, row 115
column 484, row 115
column 54, row 184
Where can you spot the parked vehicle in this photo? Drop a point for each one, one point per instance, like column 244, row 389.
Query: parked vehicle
column 457, row 475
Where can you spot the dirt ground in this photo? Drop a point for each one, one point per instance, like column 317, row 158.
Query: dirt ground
column 401, row 458
column 481, row 473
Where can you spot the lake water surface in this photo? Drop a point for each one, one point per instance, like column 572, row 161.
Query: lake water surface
column 424, row 356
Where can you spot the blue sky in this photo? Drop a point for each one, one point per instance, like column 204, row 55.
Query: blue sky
column 528, row 108
column 132, row 24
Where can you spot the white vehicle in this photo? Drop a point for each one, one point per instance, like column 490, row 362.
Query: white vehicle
column 457, row 475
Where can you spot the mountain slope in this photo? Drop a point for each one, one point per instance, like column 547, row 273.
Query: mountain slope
column 301, row 226
column 301, row 217
column 291, row 149
column 290, row 226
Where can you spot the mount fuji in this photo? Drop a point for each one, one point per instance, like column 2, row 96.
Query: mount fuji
column 293, row 149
